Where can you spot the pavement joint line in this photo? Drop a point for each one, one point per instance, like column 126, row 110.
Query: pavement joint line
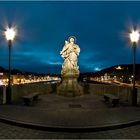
column 67, row 129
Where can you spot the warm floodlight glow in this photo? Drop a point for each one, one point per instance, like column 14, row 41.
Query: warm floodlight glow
column 10, row 34
column 134, row 36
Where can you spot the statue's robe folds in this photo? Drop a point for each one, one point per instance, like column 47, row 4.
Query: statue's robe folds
column 70, row 71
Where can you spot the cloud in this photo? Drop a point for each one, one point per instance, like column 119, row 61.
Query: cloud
column 44, row 26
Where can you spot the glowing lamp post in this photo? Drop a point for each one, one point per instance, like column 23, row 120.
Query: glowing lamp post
column 10, row 35
column 134, row 37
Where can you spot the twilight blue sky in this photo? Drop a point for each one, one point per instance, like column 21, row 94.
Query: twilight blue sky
column 100, row 29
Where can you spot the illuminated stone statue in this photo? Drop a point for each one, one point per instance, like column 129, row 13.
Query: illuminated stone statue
column 70, row 53
column 70, row 69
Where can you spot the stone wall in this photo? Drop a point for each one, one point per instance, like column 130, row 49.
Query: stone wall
column 2, row 94
column 45, row 88
column 24, row 89
column 123, row 92
column 20, row 90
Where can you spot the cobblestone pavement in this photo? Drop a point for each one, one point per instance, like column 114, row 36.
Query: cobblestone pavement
column 79, row 112
column 8, row 131
column 56, row 103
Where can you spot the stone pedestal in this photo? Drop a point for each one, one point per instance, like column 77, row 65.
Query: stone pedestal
column 70, row 87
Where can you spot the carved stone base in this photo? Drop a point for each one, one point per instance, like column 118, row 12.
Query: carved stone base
column 70, row 87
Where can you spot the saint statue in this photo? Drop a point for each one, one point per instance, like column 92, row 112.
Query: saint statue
column 69, row 53
column 70, row 70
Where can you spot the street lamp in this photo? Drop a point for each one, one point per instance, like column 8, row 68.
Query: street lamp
column 134, row 37
column 10, row 34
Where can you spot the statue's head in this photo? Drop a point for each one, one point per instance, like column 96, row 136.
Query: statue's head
column 72, row 39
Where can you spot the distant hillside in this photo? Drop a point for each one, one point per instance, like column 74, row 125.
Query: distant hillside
column 2, row 69
column 126, row 70
column 16, row 71
column 125, row 67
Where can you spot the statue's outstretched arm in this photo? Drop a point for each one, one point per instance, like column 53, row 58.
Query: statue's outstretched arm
column 64, row 49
